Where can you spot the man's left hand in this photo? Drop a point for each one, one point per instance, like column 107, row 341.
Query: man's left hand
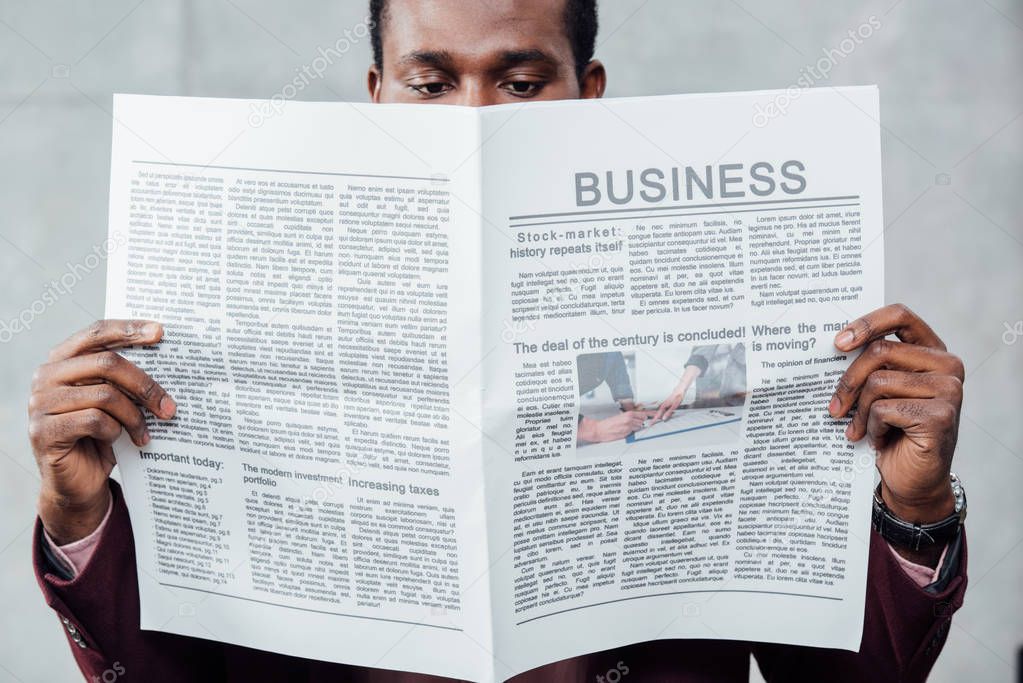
column 907, row 395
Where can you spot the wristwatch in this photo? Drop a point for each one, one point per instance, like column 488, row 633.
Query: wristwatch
column 904, row 534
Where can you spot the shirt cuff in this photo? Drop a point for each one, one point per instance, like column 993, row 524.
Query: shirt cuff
column 76, row 555
column 922, row 575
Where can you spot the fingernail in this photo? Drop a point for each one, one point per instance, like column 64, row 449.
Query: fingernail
column 145, row 437
column 168, row 407
column 834, row 405
column 849, row 431
column 150, row 330
column 844, row 339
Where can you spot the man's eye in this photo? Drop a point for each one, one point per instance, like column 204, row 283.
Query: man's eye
column 524, row 88
column 432, row 89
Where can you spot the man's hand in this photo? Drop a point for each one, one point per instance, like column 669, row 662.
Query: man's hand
column 81, row 401
column 612, row 428
column 907, row 396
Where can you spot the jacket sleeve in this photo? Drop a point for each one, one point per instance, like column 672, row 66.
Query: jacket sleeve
column 617, row 375
column 904, row 630
column 99, row 612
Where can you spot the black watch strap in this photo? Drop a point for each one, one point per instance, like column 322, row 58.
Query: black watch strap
column 903, row 534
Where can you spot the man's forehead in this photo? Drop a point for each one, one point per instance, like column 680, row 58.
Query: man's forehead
column 476, row 11
column 474, row 26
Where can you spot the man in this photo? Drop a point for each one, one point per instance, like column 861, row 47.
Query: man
column 907, row 396
column 608, row 367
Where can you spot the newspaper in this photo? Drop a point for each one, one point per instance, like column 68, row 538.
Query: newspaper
column 469, row 391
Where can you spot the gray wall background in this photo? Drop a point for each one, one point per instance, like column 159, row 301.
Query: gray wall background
column 952, row 100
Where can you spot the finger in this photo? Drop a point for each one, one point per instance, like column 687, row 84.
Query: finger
column 674, row 407
column 104, row 335
column 912, row 416
column 106, row 452
column 62, row 431
column 108, row 366
column 636, row 420
column 660, row 411
column 882, row 354
column 896, row 319
column 885, row 384
column 106, row 397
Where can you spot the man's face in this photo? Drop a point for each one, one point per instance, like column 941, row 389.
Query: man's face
column 479, row 52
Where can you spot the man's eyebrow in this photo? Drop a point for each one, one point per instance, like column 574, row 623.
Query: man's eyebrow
column 510, row 58
column 437, row 58
column 442, row 59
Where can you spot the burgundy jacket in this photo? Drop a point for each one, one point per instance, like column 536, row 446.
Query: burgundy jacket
column 905, row 629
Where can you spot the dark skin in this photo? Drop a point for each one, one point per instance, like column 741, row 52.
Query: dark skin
column 479, row 53
column 904, row 395
column 907, row 395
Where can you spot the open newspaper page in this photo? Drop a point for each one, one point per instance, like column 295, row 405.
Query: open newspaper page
column 663, row 279
column 610, row 428
column 316, row 269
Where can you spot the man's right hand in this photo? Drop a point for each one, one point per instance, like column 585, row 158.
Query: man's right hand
column 612, row 428
column 81, row 400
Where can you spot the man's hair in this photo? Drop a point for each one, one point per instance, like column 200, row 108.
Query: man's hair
column 580, row 25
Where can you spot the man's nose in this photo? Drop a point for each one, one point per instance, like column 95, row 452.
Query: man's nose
column 475, row 93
